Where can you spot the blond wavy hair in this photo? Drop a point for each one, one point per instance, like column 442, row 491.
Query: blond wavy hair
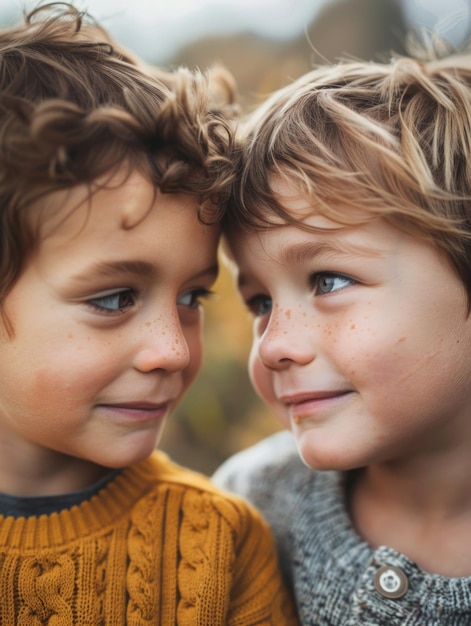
column 74, row 107
column 391, row 140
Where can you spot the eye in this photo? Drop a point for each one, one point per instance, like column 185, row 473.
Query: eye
column 259, row 305
column 116, row 302
column 329, row 282
column 193, row 298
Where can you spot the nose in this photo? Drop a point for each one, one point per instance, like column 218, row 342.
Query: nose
column 162, row 346
column 287, row 339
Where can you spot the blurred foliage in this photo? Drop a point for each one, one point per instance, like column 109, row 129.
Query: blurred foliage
column 221, row 413
column 364, row 29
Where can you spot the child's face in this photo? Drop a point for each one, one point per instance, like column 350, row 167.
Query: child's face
column 107, row 323
column 361, row 339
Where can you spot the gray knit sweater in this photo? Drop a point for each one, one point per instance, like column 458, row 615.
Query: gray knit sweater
column 338, row 579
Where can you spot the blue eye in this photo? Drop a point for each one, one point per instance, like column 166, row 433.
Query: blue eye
column 329, row 282
column 117, row 302
column 192, row 299
column 259, row 305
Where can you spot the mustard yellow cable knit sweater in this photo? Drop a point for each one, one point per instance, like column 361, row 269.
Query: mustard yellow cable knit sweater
column 158, row 545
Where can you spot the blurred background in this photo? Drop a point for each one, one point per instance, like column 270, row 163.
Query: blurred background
column 265, row 44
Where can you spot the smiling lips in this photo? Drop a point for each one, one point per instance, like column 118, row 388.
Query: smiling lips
column 304, row 405
column 139, row 411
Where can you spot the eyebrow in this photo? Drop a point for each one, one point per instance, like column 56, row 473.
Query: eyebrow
column 111, row 268
column 301, row 252
column 132, row 269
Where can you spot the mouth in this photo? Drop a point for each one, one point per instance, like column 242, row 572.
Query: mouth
column 137, row 411
column 302, row 406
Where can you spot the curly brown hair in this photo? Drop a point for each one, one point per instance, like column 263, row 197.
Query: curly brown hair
column 74, row 106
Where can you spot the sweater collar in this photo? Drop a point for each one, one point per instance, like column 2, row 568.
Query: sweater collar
column 92, row 515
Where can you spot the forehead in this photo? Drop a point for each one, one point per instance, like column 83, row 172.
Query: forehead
column 291, row 244
column 126, row 198
column 127, row 219
column 303, row 205
column 314, row 236
column 290, row 195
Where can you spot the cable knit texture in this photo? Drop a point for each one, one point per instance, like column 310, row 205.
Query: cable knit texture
column 158, row 545
column 332, row 570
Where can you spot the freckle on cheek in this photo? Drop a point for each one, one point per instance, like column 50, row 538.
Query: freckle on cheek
column 288, row 314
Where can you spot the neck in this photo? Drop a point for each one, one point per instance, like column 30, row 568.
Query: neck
column 435, row 484
column 420, row 507
column 29, row 472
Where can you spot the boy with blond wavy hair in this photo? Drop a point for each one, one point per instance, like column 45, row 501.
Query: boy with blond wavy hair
column 350, row 233
column 112, row 180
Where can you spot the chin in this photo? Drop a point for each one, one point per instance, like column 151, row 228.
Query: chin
column 322, row 457
column 132, row 453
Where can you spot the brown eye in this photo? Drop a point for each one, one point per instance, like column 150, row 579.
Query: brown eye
column 115, row 302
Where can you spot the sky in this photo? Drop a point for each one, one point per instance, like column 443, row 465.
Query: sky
column 156, row 29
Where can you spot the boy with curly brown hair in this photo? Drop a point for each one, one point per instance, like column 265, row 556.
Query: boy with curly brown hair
column 112, row 181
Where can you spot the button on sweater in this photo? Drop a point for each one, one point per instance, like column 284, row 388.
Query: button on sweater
column 338, row 579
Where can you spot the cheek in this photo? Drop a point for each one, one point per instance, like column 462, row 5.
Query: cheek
column 259, row 376
column 367, row 347
column 75, row 367
column 194, row 344
column 40, row 395
column 401, row 366
column 73, row 382
column 262, row 380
